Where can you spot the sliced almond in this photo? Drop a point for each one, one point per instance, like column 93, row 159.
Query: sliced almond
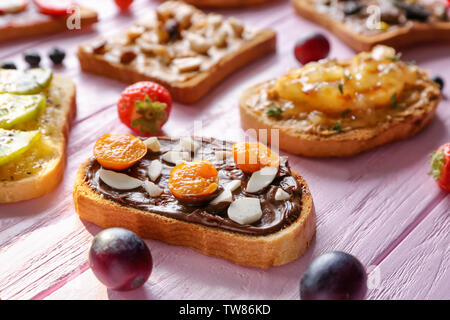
column 233, row 185
column 220, row 39
column 222, row 155
column 237, row 26
column 175, row 156
column 154, row 49
column 245, row 210
column 152, row 189
column 118, row 180
column 281, row 195
column 224, row 196
column 187, row 64
column 189, row 144
column 198, row 43
column 154, row 170
column 261, row 179
column 153, row 144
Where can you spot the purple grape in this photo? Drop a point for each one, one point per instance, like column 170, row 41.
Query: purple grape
column 120, row 259
column 334, row 276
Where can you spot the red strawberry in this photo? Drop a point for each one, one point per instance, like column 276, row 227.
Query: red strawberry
column 440, row 166
column 54, row 7
column 144, row 107
column 123, row 4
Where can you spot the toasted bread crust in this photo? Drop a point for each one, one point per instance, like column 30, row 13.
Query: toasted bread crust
column 257, row 251
column 193, row 89
column 339, row 145
column 55, row 25
column 416, row 32
column 51, row 176
column 225, row 3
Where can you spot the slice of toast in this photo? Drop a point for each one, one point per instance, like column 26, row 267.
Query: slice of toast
column 40, row 169
column 184, row 86
column 226, row 3
column 259, row 250
column 401, row 36
column 32, row 23
column 421, row 101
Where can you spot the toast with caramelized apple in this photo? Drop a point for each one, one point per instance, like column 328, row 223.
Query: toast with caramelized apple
column 247, row 218
column 31, row 22
column 33, row 141
column 341, row 108
column 363, row 24
column 226, row 3
column 186, row 50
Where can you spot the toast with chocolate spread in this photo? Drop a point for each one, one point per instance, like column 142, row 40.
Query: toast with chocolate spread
column 186, row 50
column 251, row 219
column 362, row 24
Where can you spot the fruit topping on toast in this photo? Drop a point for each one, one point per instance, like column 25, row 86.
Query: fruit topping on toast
column 13, row 6
column 30, row 81
column 372, row 17
column 200, row 187
column 330, row 97
column 14, row 143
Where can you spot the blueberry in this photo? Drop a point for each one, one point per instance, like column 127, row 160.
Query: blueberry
column 334, row 276
column 32, row 58
column 439, row 81
column 8, row 65
column 57, row 55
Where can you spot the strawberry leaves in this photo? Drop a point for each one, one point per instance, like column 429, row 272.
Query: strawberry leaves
column 152, row 114
column 437, row 161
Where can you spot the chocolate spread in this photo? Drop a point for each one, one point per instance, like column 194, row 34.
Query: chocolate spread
column 276, row 214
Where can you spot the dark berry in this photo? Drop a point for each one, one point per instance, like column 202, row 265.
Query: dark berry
column 439, row 81
column 120, row 259
column 8, row 65
column 415, row 11
column 173, row 29
column 334, row 276
column 313, row 47
column 57, row 55
column 32, row 58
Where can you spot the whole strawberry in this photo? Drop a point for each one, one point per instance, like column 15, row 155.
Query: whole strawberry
column 440, row 166
column 144, row 107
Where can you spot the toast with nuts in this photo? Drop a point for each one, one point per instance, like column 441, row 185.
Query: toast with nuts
column 182, row 48
column 251, row 219
column 33, row 150
column 341, row 108
column 226, row 3
column 362, row 24
column 31, row 22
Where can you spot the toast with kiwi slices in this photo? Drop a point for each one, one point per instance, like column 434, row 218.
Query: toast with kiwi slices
column 36, row 108
column 237, row 201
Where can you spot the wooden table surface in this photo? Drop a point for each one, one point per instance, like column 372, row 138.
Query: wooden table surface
column 380, row 206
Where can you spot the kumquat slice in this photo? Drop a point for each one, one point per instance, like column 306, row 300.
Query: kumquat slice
column 196, row 179
column 119, row 151
column 253, row 156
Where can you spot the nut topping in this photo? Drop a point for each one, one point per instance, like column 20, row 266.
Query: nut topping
column 127, row 56
column 237, row 26
column 173, row 29
column 99, row 47
column 198, row 43
column 187, row 64
column 220, row 39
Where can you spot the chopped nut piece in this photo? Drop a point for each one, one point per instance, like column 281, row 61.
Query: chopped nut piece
column 127, row 56
column 187, row 64
column 183, row 16
column 99, row 47
column 215, row 20
column 237, row 26
column 198, row 43
column 154, row 49
column 162, row 34
column 134, row 32
column 220, row 39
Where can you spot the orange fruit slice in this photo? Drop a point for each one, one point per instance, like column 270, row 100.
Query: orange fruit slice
column 253, row 156
column 196, row 179
column 119, row 151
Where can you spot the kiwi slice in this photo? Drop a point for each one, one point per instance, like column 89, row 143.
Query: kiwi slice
column 13, row 143
column 16, row 109
column 30, row 81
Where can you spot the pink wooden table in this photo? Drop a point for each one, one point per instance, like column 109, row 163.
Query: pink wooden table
column 380, row 206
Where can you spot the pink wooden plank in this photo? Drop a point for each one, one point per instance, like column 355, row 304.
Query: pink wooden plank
column 366, row 205
column 419, row 267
